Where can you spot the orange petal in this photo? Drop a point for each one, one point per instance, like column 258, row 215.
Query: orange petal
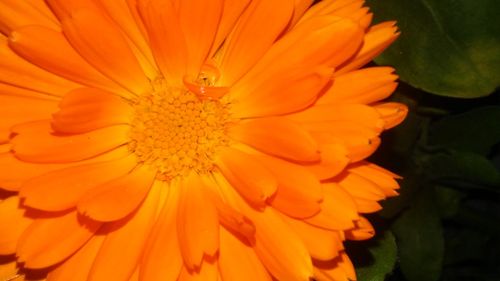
column 366, row 206
column 19, row 72
column 231, row 218
column 64, row 8
column 338, row 209
column 231, row 12
column 252, row 180
column 127, row 19
column 322, row 244
column 360, row 187
column 365, row 86
column 104, row 47
column 242, row 48
column 12, row 224
column 61, row 189
column 101, row 109
column 199, row 20
column 328, row 7
column 16, row 110
column 333, row 160
column 197, row 223
column 9, row 270
column 121, row 251
column 363, row 230
column 14, row 172
column 290, row 91
column 393, row 113
column 119, row 197
column 51, row 148
column 162, row 257
column 207, row 272
column 15, row 14
column 384, row 180
column 338, row 269
column 10, row 90
column 320, row 41
column 301, row 6
column 284, row 255
column 299, row 192
column 377, row 39
column 77, row 267
column 51, row 51
column 360, row 141
column 277, row 136
column 48, row 241
column 166, row 38
column 248, row 267
column 357, row 113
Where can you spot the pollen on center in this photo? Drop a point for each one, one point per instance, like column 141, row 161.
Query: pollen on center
column 175, row 132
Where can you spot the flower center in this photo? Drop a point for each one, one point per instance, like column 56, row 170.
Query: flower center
column 175, row 132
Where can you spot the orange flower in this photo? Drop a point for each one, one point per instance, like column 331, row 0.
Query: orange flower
column 190, row 140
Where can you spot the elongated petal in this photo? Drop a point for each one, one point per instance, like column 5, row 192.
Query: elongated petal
column 252, row 180
column 14, row 172
column 365, row 86
column 117, row 198
column 197, row 223
column 16, row 110
column 50, row 50
column 123, row 246
column 77, row 267
column 338, row 209
column 277, row 136
column 248, row 267
column 324, row 40
column 361, row 114
column 230, row 14
column 97, row 110
column 242, row 49
column 18, row 72
column 162, row 256
column 299, row 192
column 392, row 113
column 15, row 14
column 13, row 222
column 50, row 148
column 61, row 189
column 199, row 20
column 104, row 47
column 360, row 187
column 377, row 39
column 321, row 243
column 48, row 241
column 166, row 37
column 207, row 272
column 362, row 231
column 282, row 93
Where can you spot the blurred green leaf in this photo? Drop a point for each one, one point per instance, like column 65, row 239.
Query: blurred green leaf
column 474, row 131
column 384, row 254
column 420, row 240
column 448, row 200
column 463, row 169
column 464, row 245
column 447, row 47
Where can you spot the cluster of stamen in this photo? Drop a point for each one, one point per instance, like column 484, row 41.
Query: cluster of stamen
column 175, row 132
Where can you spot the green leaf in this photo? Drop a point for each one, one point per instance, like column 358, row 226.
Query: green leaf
column 463, row 169
column 448, row 200
column 447, row 47
column 384, row 254
column 420, row 239
column 475, row 131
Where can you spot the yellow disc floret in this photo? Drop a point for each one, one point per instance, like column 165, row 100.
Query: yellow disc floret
column 175, row 132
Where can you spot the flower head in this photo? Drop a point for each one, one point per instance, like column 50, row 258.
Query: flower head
column 190, row 140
